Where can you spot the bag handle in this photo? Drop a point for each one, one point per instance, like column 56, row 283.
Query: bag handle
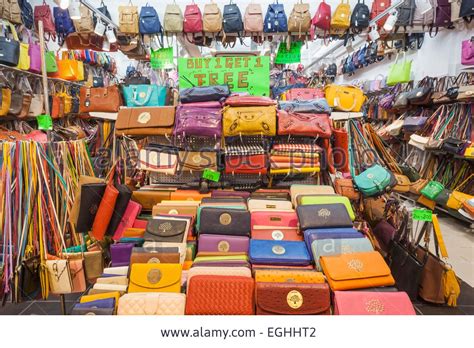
column 147, row 98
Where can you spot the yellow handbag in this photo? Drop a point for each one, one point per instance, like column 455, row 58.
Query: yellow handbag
column 403, row 183
column 457, row 198
column 103, row 296
column 426, row 202
column 345, row 97
column 5, row 102
column 24, row 58
column 249, row 120
column 66, row 100
column 155, row 277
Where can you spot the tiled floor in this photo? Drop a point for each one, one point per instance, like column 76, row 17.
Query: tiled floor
column 459, row 241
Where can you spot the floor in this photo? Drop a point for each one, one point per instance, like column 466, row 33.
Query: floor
column 459, row 241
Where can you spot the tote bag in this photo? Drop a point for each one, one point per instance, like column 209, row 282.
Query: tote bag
column 400, row 72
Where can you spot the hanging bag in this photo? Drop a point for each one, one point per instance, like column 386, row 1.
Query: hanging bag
column 43, row 13
column 322, row 18
column 6, row 93
column 360, row 17
column 63, row 24
column 275, row 19
column 144, row 95
column 192, row 22
column 212, row 19
column 341, row 19
column 37, row 101
column 378, row 7
column 399, row 72
column 232, row 23
column 253, row 22
column 467, row 10
column 300, row 20
column 149, row 21
column 85, row 25
column 173, row 19
column 11, row 11
column 128, row 19
column 9, row 46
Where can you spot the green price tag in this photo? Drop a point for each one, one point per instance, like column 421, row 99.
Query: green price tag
column 211, row 175
column 422, row 215
column 162, row 58
column 45, row 122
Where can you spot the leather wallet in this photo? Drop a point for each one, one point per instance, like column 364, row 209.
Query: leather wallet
column 152, row 304
column 175, row 208
column 220, row 295
column 128, row 218
column 91, row 196
column 323, row 216
column 292, row 298
column 152, row 160
column 188, row 195
column 190, row 161
column 110, row 287
column 105, row 212
column 219, row 271
column 246, row 164
column 326, row 247
column 269, row 204
column 229, row 193
column 224, row 221
column 104, row 303
column 106, row 295
column 155, row 255
column 356, row 271
column 93, row 264
column 83, row 180
column 120, row 271
column 289, row 276
column 330, row 233
column 118, row 280
column 222, row 243
column 121, row 204
column 279, row 253
column 326, row 199
column 167, row 230
column 92, row 311
column 271, row 194
column 148, row 198
column 372, row 303
column 275, row 225
column 297, row 189
column 120, row 254
column 155, row 277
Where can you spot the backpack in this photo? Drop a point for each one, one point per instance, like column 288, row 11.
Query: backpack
column 212, row 19
column 173, row 19
column 467, row 10
column 43, row 13
column 149, row 22
column 11, row 11
column 405, row 13
column 63, row 23
column 192, row 22
column 360, row 17
column 275, row 19
column 442, row 13
column 26, row 14
column 378, row 7
column 232, row 19
column 427, row 18
column 128, row 19
column 300, row 19
column 253, row 19
column 361, row 58
column 341, row 19
column 322, row 17
column 331, row 70
column 86, row 23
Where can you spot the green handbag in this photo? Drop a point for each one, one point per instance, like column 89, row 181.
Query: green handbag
column 399, row 72
column 432, row 189
column 373, row 181
column 51, row 64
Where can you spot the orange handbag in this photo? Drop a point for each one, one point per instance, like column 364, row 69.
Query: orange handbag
column 220, row 295
column 356, row 271
column 67, row 67
column 188, row 195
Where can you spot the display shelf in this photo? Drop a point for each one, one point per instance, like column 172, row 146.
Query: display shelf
column 6, row 67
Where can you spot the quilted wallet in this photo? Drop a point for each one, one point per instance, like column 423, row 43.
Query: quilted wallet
column 279, row 253
column 323, row 216
column 151, row 304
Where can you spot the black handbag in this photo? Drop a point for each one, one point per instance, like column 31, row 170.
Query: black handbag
column 29, row 283
column 9, row 47
column 443, row 197
column 421, row 95
column 204, row 93
column 405, row 267
column 91, row 196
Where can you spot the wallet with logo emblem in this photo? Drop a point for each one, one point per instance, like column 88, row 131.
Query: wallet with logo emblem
column 221, row 243
column 91, row 196
column 323, row 216
column 224, row 221
column 171, row 230
column 155, row 255
column 155, row 277
column 279, row 253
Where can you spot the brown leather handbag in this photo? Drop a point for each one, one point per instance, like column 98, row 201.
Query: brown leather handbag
column 345, row 187
column 312, row 125
column 403, row 183
column 100, row 99
column 145, row 121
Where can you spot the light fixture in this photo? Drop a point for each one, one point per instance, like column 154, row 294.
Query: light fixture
column 111, row 35
column 391, row 21
column 74, row 8
column 99, row 28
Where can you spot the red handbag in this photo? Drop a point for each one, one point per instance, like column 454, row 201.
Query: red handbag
column 246, row 164
column 379, row 6
column 304, row 94
column 43, row 13
column 322, row 17
column 341, row 150
column 312, row 125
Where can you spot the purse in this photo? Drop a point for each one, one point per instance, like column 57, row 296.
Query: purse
column 312, row 106
column 191, row 161
column 356, row 271
column 372, row 303
column 29, row 278
column 152, row 160
column 323, row 216
column 222, row 221
column 78, row 278
column 421, row 95
column 167, row 230
column 60, row 281
column 277, row 252
column 154, row 277
column 9, row 47
column 231, row 295
column 249, row 120
column 345, row 187
column 254, row 204
column 131, row 213
column 90, row 198
column 128, row 19
column 326, row 199
column 101, row 99
column 432, row 189
column 155, row 255
column 218, row 270
column 145, row 121
column 457, row 197
column 313, row 125
column 222, row 243
column 304, row 94
column 121, row 204
column 345, row 98
column 120, row 254
column 151, row 304
column 203, row 94
column 286, row 79
column 199, row 119
column 105, row 211
column 399, row 72
column 93, row 264
column 277, row 225
column 292, row 299
column 144, row 95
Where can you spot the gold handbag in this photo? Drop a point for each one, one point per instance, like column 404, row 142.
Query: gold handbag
column 345, row 98
column 155, row 277
column 5, row 102
column 249, row 120
column 403, row 183
column 457, row 198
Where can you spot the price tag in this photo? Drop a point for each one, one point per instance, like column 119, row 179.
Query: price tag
column 422, row 215
column 211, row 175
column 45, row 122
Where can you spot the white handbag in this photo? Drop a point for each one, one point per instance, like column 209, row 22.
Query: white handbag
column 60, row 281
column 152, row 303
column 268, row 204
column 418, row 141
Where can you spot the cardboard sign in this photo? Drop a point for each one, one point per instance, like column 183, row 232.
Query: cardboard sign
column 242, row 74
column 285, row 56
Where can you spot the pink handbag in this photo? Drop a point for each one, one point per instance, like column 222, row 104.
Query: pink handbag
column 34, row 51
column 372, row 303
column 133, row 210
column 467, row 53
column 275, row 225
column 78, row 278
column 304, row 94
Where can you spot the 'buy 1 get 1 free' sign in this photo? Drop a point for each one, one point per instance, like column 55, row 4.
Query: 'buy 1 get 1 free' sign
column 242, row 74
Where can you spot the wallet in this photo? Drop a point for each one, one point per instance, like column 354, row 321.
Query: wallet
column 300, row 189
column 279, row 253
column 323, row 216
column 292, row 299
column 372, row 303
column 275, row 225
column 104, row 303
column 188, row 195
column 105, row 212
column 148, row 198
column 155, row 277
column 121, row 204
column 83, row 180
column 120, row 254
column 169, row 230
column 219, row 271
column 128, row 218
column 330, row 233
column 326, row 199
column 229, row 193
column 92, row 311
column 175, row 208
column 224, row 221
column 91, row 196
column 118, row 280
column 155, row 255
column 106, row 295
column 78, row 278
column 151, row 304
column 158, row 162
column 269, row 204
column 222, row 243
column 289, row 276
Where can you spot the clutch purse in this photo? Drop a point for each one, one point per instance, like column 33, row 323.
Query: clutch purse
column 152, row 160
column 287, row 276
column 219, row 271
column 104, row 212
column 91, row 195
column 230, row 295
column 323, row 216
column 145, row 121
column 92, row 311
column 372, row 303
column 326, row 199
column 279, row 253
column 170, row 230
column 155, row 255
column 224, row 221
column 249, row 120
column 155, row 277
column 275, row 225
column 292, row 299
column 128, row 218
column 151, row 304
column 222, row 243
column 204, row 94
column 300, row 189
column 120, row 254
column 356, row 271
column 308, row 125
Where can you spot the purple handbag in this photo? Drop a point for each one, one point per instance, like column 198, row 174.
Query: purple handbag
column 34, row 51
column 384, row 232
column 443, row 14
column 120, row 254
column 414, row 123
column 220, row 243
column 198, row 121
column 467, row 53
column 386, row 101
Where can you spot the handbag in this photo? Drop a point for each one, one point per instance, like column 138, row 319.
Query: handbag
column 285, row 81
column 345, row 98
column 173, row 19
column 151, row 304
column 153, row 160
column 457, row 197
column 312, row 106
column 43, row 13
column 345, row 187
column 101, row 99
column 432, row 189
column 421, row 95
column 60, row 281
column 128, row 19
column 121, row 204
column 51, row 62
column 203, row 94
column 313, row 125
column 303, row 94
column 197, row 161
column 249, row 120
column 299, row 20
column 9, row 47
column 467, row 52
column 86, row 23
column 155, row 277
column 399, row 72
column 144, row 95
column 145, row 121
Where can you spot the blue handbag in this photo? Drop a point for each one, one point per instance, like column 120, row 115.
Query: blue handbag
column 327, row 247
column 144, row 95
column 271, row 252
column 275, row 19
column 149, row 22
column 63, row 23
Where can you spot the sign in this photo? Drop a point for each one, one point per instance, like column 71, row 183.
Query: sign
column 422, row 215
column 242, row 74
column 211, row 175
column 285, row 56
column 162, row 58
column 45, row 122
